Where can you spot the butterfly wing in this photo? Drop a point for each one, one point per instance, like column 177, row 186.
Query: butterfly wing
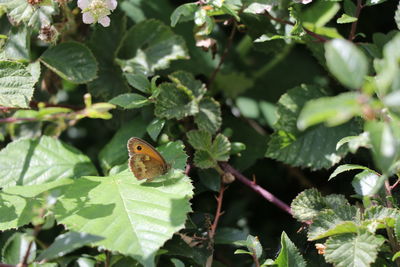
column 145, row 167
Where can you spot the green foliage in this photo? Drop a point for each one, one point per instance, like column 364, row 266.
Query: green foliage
column 66, row 243
column 72, row 61
column 297, row 148
column 346, row 62
column 281, row 90
column 145, row 53
column 36, row 161
column 208, row 151
column 16, row 84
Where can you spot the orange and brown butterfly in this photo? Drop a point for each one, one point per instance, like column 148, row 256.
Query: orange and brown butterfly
column 144, row 160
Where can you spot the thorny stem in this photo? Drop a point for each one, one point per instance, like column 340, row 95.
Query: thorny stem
column 6, row 265
column 352, row 34
column 213, row 228
column 255, row 259
column 255, row 187
column 311, row 33
column 224, row 54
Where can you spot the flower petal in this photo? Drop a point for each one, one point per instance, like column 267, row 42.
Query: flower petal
column 88, row 18
column 82, row 4
column 111, row 4
column 105, row 21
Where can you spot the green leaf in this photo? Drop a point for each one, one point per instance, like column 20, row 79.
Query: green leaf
column 220, row 148
column 37, row 161
column 248, row 107
column 397, row 227
column 130, row 101
column 115, row 151
column 254, row 246
column 355, row 142
column 348, row 167
column 233, row 84
column 320, row 13
column 209, row 116
column 174, row 153
column 333, row 111
column 33, row 16
column 65, row 243
column 183, row 13
column 138, row 81
column 374, row 2
column 388, row 68
column 333, row 222
column 19, row 205
column 385, row 143
column 72, row 61
column 15, row 249
column 200, row 140
column 109, row 82
column 315, row 147
column 289, row 254
column 227, row 235
column 385, row 217
column 16, row 84
column 365, row 183
column 268, row 110
column 155, row 127
column 208, row 152
column 346, row 62
column 180, row 98
column 141, row 52
column 353, row 250
column 346, row 19
column 18, row 44
column 307, row 205
column 135, row 217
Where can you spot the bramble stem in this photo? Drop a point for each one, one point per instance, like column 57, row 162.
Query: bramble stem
column 255, row 187
column 352, row 34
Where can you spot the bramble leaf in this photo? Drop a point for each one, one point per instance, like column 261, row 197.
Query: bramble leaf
column 16, row 84
column 353, row 250
column 149, row 46
column 347, row 167
column 289, row 254
column 180, row 98
column 65, row 243
column 72, row 61
column 37, row 161
column 209, row 116
column 154, row 128
column 315, row 147
column 346, row 62
column 130, row 101
column 307, row 205
column 333, row 111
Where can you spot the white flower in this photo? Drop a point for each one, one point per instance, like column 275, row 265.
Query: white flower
column 97, row 11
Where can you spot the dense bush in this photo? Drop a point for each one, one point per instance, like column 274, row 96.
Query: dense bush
column 252, row 105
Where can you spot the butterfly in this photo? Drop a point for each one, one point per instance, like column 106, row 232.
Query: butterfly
column 144, row 160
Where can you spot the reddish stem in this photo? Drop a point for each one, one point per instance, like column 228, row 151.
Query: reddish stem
column 255, row 187
column 217, row 212
column 352, row 34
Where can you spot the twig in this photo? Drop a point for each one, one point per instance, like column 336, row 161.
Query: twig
column 224, row 54
column 12, row 119
column 218, row 212
column 187, row 169
column 6, row 265
column 214, row 226
column 395, row 184
column 255, row 259
column 283, row 21
column 354, row 24
column 255, row 187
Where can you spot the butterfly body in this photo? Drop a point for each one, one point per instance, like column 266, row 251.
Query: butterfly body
column 144, row 160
